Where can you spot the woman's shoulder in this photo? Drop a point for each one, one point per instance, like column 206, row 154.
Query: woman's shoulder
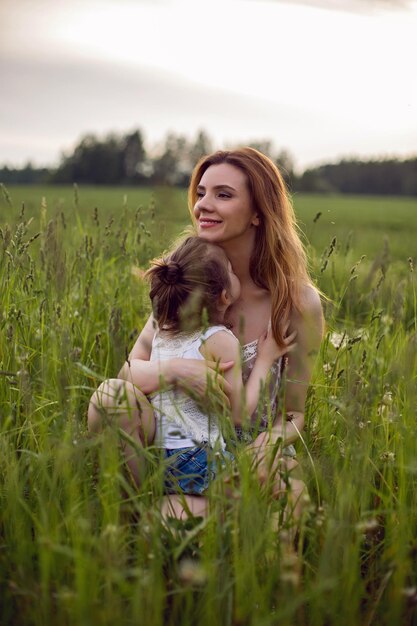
column 309, row 314
column 310, row 300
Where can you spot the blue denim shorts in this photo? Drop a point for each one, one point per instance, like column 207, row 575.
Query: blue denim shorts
column 191, row 470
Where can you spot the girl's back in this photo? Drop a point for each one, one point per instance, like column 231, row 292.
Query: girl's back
column 180, row 419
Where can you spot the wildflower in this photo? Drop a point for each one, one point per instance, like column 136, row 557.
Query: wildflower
column 338, row 340
column 387, row 320
column 362, row 333
column 110, row 530
column 387, row 457
column 384, row 406
column 387, row 398
column 410, row 593
column 191, row 572
column 367, row 526
column 75, row 354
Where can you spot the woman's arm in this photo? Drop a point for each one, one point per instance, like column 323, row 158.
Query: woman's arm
column 309, row 325
column 138, row 369
column 189, row 374
column 267, row 353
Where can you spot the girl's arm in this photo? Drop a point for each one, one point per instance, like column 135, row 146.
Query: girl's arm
column 189, row 374
column 244, row 399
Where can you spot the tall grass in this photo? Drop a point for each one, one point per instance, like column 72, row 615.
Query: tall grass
column 80, row 545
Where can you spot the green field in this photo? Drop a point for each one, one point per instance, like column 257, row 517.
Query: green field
column 79, row 545
column 361, row 222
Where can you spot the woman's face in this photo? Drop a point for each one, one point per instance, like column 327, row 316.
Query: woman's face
column 224, row 210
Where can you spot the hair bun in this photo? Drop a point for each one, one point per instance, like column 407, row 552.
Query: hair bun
column 172, row 273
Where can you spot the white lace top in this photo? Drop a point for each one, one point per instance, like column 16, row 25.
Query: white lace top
column 180, row 422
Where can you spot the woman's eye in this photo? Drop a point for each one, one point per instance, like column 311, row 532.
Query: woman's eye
column 224, row 195
column 200, row 194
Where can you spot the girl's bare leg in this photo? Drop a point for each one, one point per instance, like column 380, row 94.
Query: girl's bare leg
column 181, row 506
column 119, row 403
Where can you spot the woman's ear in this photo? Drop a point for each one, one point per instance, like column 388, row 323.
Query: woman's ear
column 255, row 220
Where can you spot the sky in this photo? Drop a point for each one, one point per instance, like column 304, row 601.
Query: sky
column 322, row 79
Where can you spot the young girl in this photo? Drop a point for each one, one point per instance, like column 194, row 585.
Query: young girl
column 191, row 290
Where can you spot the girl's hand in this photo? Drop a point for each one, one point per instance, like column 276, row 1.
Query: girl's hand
column 199, row 378
column 268, row 348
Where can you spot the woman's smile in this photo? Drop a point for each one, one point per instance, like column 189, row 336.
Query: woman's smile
column 208, row 222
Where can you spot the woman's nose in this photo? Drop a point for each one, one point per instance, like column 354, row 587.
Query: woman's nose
column 203, row 204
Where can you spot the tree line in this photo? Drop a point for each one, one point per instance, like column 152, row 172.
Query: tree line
column 122, row 159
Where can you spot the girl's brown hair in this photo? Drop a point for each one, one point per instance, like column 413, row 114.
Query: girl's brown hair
column 278, row 261
column 186, row 283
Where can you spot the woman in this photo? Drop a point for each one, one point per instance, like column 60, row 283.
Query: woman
column 238, row 200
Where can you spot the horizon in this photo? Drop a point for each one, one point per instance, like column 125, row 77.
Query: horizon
column 297, row 171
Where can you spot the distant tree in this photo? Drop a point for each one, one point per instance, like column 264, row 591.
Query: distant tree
column 265, row 146
column 172, row 164
column 410, row 177
column 98, row 162
column 112, row 160
column 285, row 164
column 283, row 159
column 28, row 174
column 93, row 161
column 134, row 158
column 201, row 146
column 176, row 159
column 312, row 181
column 122, row 159
column 388, row 176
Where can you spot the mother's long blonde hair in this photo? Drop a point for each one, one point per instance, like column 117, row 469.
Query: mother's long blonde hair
column 278, row 262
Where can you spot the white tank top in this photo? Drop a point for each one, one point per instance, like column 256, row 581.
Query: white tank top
column 180, row 423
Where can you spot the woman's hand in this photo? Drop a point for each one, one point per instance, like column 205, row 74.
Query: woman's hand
column 199, row 378
column 268, row 349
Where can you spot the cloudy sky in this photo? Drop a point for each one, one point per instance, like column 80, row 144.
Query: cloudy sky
column 320, row 78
